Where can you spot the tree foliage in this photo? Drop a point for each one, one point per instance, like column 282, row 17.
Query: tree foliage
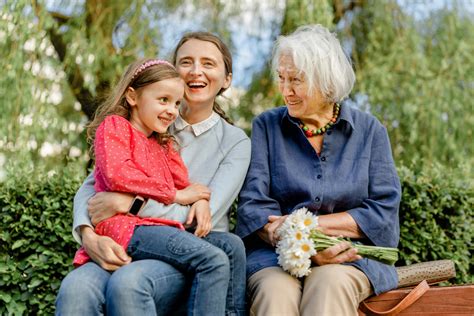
column 418, row 78
column 61, row 57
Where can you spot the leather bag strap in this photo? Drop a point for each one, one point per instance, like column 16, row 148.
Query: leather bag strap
column 408, row 300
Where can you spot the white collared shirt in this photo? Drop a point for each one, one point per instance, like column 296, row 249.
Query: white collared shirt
column 198, row 128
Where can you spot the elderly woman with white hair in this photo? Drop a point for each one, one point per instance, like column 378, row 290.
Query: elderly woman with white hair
column 331, row 158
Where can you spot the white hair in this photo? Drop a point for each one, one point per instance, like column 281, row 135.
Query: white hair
column 318, row 55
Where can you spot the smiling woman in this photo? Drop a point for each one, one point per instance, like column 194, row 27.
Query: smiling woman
column 342, row 172
column 202, row 72
column 296, row 91
column 205, row 64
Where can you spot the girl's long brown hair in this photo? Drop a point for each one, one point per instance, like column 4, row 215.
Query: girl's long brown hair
column 116, row 103
column 226, row 55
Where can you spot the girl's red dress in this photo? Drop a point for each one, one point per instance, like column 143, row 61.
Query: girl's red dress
column 126, row 160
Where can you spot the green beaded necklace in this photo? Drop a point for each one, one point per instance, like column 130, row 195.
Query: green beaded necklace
column 322, row 130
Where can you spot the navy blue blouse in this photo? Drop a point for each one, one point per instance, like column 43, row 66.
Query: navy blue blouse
column 354, row 172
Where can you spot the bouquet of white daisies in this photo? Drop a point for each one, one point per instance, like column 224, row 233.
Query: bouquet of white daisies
column 300, row 239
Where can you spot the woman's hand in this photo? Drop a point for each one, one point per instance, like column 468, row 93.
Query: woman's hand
column 268, row 232
column 200, row 211
column 103, row 250
column 338, row 224
column 104, row 205
column 340, row 253
column 192, row 193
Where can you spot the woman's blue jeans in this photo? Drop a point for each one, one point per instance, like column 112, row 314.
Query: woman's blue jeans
column 149, row 287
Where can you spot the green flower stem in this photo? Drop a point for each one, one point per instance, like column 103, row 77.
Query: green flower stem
column 383, row 254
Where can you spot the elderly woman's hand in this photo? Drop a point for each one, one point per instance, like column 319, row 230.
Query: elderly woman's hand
column 268, row 232
column 340, row 253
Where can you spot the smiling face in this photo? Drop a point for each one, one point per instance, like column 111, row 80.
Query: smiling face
column 201, row 65
column 155, row 106
column 294, row 88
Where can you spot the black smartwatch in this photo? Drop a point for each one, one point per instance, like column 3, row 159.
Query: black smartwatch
column 137, row 205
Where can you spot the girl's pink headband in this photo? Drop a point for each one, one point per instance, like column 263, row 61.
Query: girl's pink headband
column 150, row 63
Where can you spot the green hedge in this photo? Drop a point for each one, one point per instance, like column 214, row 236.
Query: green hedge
column 36, row 242
column 436, row 219
column 37, row 246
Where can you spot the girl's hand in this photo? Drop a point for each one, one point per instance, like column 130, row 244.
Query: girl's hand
column 192, row 193
column 104, row 205
column 268, row 232
column 340, row 253
column 200, row 211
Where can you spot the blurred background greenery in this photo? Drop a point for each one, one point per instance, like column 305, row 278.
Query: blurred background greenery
column 413, row 61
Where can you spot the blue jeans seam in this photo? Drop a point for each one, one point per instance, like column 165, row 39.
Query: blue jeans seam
column 173, row 247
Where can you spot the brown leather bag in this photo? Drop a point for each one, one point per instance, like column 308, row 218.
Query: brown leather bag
column 423, row 299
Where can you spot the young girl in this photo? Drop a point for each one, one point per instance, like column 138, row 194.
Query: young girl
column 134, row 154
